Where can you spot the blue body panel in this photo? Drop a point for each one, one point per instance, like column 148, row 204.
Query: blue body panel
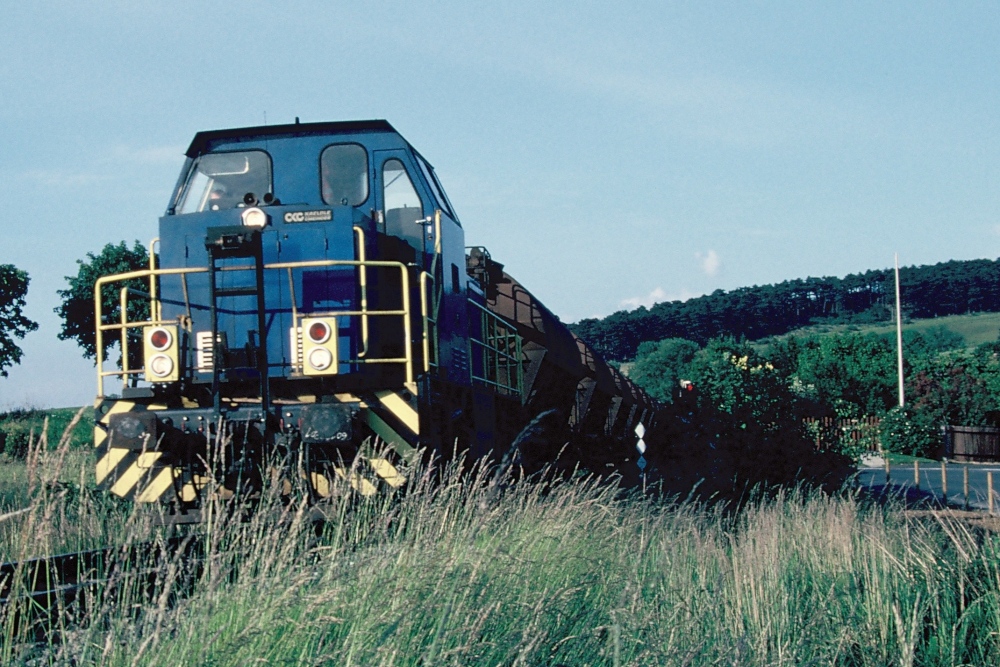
column 295, row 169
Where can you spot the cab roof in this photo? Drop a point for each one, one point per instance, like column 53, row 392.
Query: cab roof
column 203, row 140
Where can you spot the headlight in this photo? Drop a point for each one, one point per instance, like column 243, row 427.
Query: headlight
column 320, row 358
column 161, row 365
column 254, row 217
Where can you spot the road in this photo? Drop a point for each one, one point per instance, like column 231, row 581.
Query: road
column 902, row 477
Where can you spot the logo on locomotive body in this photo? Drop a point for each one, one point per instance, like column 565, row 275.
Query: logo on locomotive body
column 324, row 215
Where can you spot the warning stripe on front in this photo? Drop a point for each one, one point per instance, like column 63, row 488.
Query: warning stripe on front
column 396, row 423
column 400, row 409
column 128, row 473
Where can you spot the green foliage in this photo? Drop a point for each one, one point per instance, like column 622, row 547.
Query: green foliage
column 659, row 367
column 77, row 307
column 952, row 390
column 19, row 428
column 948, row 288
column 855, row 368
column 910, row 432
column 13, row 323
column 741, row 382
column 931, row 341
column 741, row 429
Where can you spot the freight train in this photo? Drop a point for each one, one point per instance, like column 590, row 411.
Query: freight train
column 311, row 305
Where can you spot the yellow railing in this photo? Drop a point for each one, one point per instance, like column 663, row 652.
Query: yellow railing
column 154, row 302
column 156, row 309
column 500, row 348
column 430, row 310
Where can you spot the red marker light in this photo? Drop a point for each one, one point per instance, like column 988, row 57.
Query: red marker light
column 319, row 332
column 160, row 339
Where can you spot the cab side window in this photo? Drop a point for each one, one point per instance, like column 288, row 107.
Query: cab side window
column 402, row 204
column 344, row 174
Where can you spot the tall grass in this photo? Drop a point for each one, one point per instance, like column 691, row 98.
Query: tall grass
column 460, row 569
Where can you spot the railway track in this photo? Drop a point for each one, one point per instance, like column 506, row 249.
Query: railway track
column 40, row 592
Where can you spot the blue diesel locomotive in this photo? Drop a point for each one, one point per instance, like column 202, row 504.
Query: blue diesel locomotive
column 311, row 307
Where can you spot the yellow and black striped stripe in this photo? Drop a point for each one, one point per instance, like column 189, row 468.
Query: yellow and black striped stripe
column 128, row 473
column 393, row 417
column 138, row 475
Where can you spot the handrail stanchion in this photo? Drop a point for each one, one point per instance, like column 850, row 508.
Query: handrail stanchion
column 425, row 278
column 363, row 278
column 154, row 305
column 407, row 325
column 123, row 307
column 406, row 313
column 98, row 338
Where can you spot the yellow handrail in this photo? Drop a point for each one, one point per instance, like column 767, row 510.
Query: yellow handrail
column 427, row 320
column 154, row 303
column 363, row 279
column 156, row 309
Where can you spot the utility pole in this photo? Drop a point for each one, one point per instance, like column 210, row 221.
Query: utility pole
column 899, row 335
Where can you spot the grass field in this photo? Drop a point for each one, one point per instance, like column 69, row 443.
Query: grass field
column 461, row 570
column 977, row 328
column 19, row 427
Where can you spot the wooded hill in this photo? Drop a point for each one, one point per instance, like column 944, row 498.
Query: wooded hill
column 947, row 288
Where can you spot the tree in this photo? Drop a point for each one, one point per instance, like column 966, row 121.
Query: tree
column 659, row 367
column 13, row 324
column 740, row 429
column 77, row 308
column 859, row 369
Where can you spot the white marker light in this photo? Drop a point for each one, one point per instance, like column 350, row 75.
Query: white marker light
column 320, row 358
column 161, row 365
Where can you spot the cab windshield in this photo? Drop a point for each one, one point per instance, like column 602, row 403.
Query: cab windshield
column 221, row 180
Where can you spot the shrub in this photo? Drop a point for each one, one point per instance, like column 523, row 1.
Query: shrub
column 911, row 432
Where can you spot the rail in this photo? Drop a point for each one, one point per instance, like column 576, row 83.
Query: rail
column 37, row 593
column 152, row 274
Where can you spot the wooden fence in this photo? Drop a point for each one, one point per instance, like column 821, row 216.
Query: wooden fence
column 830, row 432
column 959, row 443
column 972, row 443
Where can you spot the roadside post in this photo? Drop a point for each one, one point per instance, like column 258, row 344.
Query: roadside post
column 965, row 484
column 640, row 446
column 989, row 489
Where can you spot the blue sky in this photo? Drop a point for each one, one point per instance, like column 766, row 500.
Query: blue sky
column 610, row 154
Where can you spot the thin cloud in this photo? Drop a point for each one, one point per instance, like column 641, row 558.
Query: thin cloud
column 148, row 155
column 65, row 178
column 658, row 295
column 709, row 261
